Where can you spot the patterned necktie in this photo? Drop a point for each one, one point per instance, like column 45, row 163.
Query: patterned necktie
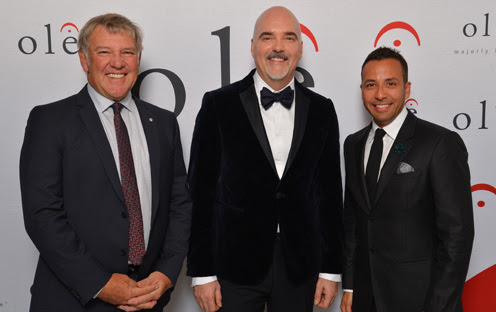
column 130, row 188
column 373, row 164
column 285, row 97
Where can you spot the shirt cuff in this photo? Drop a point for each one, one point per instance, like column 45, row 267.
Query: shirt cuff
column 331, row 277
column 348, row 290
column 203, row 280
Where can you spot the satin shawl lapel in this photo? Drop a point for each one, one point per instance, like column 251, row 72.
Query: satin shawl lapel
column 360, row 154
column 302, row 104
column 393, row 160
column 93, row 124
column 149, row 123
column 250, row 103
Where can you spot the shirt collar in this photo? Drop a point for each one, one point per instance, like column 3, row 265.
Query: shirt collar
column 392, row 129
column 102, row 103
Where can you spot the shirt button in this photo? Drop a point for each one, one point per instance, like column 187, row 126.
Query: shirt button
column 371, row 219
column 123, row 252
column 124, row 215
column 372, row 250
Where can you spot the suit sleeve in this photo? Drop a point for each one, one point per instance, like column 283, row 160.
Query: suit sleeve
column 350, row 235
column 203, row 175
column 45, row 219
column 332, row 208
column 450, row 181
column 176, row 240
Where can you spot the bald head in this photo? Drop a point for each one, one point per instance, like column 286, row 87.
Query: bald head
column 276, row 13
column 276, row 46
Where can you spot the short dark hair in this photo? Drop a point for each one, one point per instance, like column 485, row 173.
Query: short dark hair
column 383, row 53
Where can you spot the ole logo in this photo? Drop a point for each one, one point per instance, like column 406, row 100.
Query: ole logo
column 397, row 25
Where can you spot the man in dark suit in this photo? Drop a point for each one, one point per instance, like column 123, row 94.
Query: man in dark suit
column 266, row 185
column 104, row 186
column 408, row 206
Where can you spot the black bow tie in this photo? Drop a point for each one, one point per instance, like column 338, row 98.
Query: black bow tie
column 285, row 97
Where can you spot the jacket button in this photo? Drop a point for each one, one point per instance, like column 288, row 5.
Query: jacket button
column 371, row 219
column 123, row 252
column 280, row 195
column 372, row 250
column 124, row 215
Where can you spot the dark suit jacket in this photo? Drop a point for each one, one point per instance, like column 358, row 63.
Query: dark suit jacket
column 410, row 249
column 238, row 198
column 74, row 208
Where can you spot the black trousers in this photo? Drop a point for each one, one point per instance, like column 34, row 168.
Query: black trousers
column 276, row 291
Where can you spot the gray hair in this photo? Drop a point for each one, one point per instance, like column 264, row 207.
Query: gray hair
column 113, row 23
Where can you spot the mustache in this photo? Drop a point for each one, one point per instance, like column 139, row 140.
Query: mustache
column 277, row 55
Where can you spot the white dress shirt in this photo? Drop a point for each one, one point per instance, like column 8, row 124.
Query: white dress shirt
column 279, row 124
column 391, row 133
column 139, row 148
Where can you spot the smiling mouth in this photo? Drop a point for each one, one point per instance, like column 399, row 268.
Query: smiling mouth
column 381, row 105
column 116, row 75
column 277, row 57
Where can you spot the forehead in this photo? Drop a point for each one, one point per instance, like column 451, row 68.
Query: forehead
column 102, row 35
column 389, row 68
column 277, row 22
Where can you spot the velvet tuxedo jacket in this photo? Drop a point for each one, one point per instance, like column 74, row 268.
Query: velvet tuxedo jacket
column 409, row 249
column 74, row 208
column 238, row 198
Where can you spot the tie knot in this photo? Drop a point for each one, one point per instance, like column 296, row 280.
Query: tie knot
column 379, row 134
column 117, row 107
column 285, row 97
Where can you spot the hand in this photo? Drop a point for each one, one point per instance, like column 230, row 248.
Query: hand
column 346, row 301
column 208, row 296
column 325, row 293
column 159, row 282
column 120, row 289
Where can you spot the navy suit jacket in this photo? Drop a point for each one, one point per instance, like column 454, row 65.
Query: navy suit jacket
column 74, row 208
column 409, row 249
column 238, row 198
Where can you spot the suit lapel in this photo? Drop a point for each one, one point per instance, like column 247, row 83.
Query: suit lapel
column 395, row 157
column 93, row 124
column 360, row 154
column 302, row 104
column 152, row 139
column 250, row 103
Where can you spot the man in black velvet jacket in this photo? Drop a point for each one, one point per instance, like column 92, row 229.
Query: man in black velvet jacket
column 266, row 185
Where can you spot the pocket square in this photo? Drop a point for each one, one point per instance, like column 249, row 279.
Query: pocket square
column 404, row 168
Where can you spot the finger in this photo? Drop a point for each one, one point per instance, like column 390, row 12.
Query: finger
column 147, row 305
column 142, row 291
column 128, row 308
column 218, row 298
column 152, row 296
column 318, row 294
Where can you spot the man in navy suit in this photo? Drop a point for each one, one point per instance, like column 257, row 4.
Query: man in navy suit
column 266, row 185
column 104, row 186
column 409, row 224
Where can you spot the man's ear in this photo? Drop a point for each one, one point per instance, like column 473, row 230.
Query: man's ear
column 83, row 61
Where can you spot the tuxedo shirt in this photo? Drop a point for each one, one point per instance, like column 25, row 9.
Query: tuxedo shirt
column 278, row 122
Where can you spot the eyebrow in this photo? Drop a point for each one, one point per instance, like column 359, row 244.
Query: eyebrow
column 268, row 33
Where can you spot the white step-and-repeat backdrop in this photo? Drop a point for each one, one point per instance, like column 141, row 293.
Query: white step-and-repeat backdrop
column 192, row 46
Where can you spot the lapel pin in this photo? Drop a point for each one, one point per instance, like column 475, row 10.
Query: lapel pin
column 151, row 119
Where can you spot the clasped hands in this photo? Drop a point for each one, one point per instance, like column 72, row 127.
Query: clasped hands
column 129, row 295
